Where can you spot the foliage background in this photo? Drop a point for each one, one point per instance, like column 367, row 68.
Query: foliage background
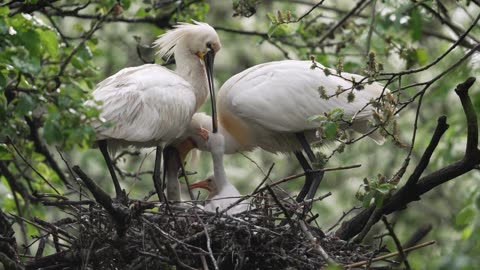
column 51, row 60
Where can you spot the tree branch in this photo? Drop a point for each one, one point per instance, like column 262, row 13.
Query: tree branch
column 416, row 186
column 119, row 212
column 41, row 148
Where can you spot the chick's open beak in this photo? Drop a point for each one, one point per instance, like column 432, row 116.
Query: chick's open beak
column 202, row 184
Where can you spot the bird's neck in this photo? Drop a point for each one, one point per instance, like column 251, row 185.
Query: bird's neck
column 192, row 69
column 219, row 170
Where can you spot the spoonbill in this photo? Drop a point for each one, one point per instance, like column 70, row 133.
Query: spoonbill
column 268, row 106
column 222, row 193
column 150, row 105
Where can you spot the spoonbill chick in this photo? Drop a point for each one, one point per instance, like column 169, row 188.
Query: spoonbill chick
column 268, row 106
column 222, row 193
column 150, row 105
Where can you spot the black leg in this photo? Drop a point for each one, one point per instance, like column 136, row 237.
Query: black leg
column 308, row 176
column 171, row 169
column 318, row 176
column 102, row 145
column 184, row 173
column 157, row 181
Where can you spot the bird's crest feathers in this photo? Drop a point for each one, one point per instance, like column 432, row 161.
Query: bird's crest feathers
column 167, row 41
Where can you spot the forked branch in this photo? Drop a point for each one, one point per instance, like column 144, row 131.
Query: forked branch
column 417, row 185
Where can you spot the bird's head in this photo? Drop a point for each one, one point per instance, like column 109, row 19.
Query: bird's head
column 208, row 184
column 199, row 120
column 198, row 39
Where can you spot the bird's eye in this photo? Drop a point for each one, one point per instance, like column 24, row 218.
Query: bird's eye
column 209, row 180
column 209, row 45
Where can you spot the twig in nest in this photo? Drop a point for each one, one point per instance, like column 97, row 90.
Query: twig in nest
column 267, row 176
column 284, row 210
column 418, row 235
column 209, row 242
column 391, row 232
column 120, row 213
column 345, row 214
column 357, row 264
column 317, row 247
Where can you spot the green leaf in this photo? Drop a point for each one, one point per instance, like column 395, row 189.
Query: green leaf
column 25, row 104
column 44, row 170
column 3, row 80
column 317, row 118
column 85, row 52
column 467, row 232
column 33, row 66
column 50, row 42
column 367, row 199
column 384, row 188
column 4, row 11
column 52, row 132
column 4, row 153
column 336, row 114
column 3, row 105
column 466, row 216
column 141, row 12
column 422, row 56
column 330, row 130
column 126, row 4
column 277, row 30
column 379, row 199
column 31, row 40
column 416, row 24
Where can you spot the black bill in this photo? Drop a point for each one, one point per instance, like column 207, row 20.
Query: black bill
column 209, row 57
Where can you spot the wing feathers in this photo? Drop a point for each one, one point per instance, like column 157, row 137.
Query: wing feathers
column 281, row 96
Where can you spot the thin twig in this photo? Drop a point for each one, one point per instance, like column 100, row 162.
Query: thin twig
column 315, row 243
column 391, row 232
column 31, row 167
column 357, row 264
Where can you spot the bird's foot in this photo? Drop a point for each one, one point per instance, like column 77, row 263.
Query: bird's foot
column 203, row 133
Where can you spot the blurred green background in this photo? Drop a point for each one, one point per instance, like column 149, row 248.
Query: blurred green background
column 404, row 35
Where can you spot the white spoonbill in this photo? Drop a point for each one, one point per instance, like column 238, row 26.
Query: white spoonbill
column 268, row 106
column 221, row 192
column 150, row 105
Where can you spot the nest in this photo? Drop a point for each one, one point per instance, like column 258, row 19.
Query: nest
column 108, row 233
column 175, row 234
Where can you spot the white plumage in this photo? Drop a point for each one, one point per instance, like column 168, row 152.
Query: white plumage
column 268, row 106
column 222, row 193
column 151, row 105
column 146, row 105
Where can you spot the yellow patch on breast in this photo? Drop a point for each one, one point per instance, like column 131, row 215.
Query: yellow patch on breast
column 236, row 128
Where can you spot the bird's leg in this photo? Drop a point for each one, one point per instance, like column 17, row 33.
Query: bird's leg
column 120, row 193
column 171, row 167
column 157, row 181
column 317, row 176
column 184, row 148
column 184, row 173
column 308, row 176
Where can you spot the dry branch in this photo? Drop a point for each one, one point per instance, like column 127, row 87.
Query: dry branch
column 119, row 212
column 383, row 257
column 417, row 185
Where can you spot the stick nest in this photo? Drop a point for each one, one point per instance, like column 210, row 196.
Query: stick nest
column 163, row 235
